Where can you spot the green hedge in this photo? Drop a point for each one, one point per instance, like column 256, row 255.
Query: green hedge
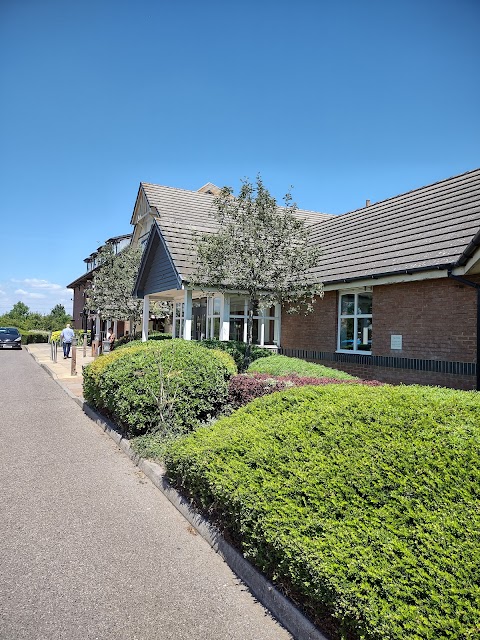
column 277, row 365
column 362, row 501
column 34, row 337
column 237, row 350
column 127, row 384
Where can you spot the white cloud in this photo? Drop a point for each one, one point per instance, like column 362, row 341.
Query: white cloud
column 38, row 294
column 29, row 294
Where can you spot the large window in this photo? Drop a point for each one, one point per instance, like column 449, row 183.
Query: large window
column 355, row 322
column 263, row 330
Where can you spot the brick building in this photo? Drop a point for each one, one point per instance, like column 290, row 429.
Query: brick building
column 401, row 283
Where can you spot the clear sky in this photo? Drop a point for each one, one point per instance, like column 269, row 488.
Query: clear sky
column 344, row 100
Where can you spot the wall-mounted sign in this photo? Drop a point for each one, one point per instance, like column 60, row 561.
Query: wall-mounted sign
column 395, row 342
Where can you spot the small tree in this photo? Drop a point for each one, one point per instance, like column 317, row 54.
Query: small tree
column 113, row 283
column 260, row 249
column 110, row 294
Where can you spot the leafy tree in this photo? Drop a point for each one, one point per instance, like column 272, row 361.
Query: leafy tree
column 20, row 311
column 260, row 249
column 110, row 293
column 57, row 318
column 37, row 321
column 113, row 282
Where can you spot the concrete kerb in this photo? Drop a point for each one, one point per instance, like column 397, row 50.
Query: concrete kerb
column 280, row 606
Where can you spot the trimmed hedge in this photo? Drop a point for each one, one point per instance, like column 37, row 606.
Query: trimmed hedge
column 127, row 384
column 236, row 350
column 138, row 337
column 284, row 366
column 245, row 387
column 362, row 501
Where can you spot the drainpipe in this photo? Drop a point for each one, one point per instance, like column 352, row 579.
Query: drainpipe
column 477, row 287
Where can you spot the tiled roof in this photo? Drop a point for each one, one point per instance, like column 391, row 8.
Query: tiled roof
column 429, row 227
column 426, row 228
column 185, row 215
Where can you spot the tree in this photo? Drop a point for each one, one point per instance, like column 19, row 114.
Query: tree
column 57, row 318
column 112, row 285
column 260, row 249
column 20, row 311
column 110, row 294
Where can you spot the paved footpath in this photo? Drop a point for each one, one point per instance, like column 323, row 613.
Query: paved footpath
column 89, row 549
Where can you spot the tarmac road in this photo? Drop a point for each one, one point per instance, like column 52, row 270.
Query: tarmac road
column 89, row 548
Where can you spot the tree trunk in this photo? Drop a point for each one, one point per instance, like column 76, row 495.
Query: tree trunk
column 248, row 349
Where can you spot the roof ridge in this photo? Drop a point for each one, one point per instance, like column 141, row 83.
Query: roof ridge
column 406, row 193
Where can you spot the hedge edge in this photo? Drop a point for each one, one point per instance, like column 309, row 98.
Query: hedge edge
column 279, row 605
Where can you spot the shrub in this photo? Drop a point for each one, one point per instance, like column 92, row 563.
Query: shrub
column 283, row 366
column 170, row 386
column 34, row 337
column 245, row 387
column 363, row 501
column 236, row 350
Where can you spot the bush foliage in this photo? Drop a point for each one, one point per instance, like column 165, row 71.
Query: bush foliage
column 245, row 387
column 170, row 386
column 237, row 350
column 277, row 365
column 363, row 501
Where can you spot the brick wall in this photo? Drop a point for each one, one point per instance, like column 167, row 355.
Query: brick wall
column 78, row 302
column 436, row 319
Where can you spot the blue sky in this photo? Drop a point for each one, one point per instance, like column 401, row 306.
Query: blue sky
column 343, row 100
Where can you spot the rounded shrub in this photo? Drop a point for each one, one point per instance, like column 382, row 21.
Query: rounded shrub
column 170, row 386
column 362, row 501
column 277, row 365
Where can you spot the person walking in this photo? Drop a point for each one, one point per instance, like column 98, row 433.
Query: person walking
column 67, row 337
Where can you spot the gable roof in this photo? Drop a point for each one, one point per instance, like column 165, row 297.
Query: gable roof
column 183, row 215
column 428, row 228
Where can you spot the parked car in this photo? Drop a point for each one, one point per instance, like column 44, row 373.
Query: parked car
column 10, row 338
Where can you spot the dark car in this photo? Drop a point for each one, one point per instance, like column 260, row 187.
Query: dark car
column 10, row 338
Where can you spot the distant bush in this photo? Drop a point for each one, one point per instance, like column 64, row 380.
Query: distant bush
column 245, row 387
column 167, row 386
column 33, row 337
column 237, row 350
column 278, row 365
column 362, row 501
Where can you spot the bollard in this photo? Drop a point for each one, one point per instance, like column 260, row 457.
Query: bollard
column 73, row 367
column 85, row 344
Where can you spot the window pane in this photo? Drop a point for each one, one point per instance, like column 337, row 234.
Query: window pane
column 364, row 303
column 237, row 306
column 346, row 333
column 216, row 306
column 216, row 328
column 236, row 330
column 364, row 334
column 348, row 304
column 178, row 329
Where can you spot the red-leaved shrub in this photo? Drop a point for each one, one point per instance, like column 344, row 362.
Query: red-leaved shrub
column 246, row 387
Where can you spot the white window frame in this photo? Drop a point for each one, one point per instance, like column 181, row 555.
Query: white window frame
column 355, row 316
column 263, row 319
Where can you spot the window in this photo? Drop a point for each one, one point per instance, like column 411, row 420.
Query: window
column 265, row 322
column 355, row 322
column 178, row 319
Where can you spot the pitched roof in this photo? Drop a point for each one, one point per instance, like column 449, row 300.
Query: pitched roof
column 183, row 215
column 429, row 227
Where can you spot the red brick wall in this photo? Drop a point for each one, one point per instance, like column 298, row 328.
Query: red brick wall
column 436, row 318
column 78, row 302
column 317, row 330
